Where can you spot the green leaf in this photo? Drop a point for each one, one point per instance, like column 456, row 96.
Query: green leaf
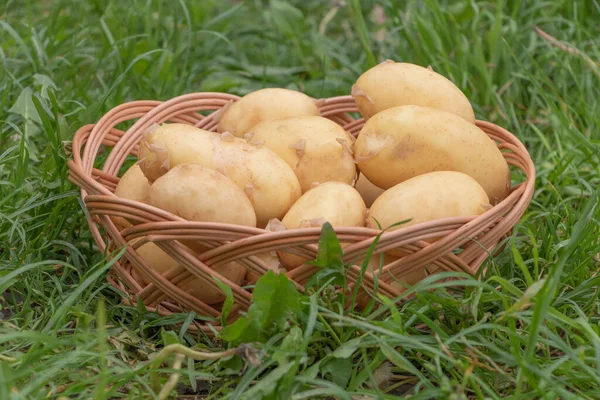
column 268, row 383
column 313, row 370
column 519, row 261
column 462, row 11
column 287, row 18
column 398, row 324
column 271, row 70
column 168, row 337
column 340, row 370
column 24, row 107
column 329, row 259
column 400, row 361
column 330, row 252
column 358, row 21
column 347, row 349
column 231, row 366
column 275, row 298
column 363, row 270
column 243, row 330
column 90, row 279
column 582, row 227
column 365, row 373
column 290, row 345
column 45, row 83
column 228, row 303
column 526, row 300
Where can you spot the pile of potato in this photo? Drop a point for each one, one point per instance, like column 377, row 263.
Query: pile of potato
column 275, row 163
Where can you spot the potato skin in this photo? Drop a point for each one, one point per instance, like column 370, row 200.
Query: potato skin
column 424, row 198
column 428, row 197
column 198, row 193
column 316, row 148
column 403, row 142
column 335, row 202
column 162, row 262
column 391, row 84
column 265, row 178
column 368, row 191
column 168, row 145
column 133, row 185
column 265, row 104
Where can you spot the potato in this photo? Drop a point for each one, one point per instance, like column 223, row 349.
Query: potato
column 428, row 197
column 391, row 84
column 265, row 178
column 133, row 185
column 424, row 198
column 167, row 145
column 316, row 148
column 367, row 190
column 162, row 262
column 265, row 104
column 335, row 202
column 403, row 142
column 197, row 193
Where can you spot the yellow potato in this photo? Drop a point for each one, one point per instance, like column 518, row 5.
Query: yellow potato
column 133, row 185
column 265, row 178
column 403, row 142
column 428, row 197
column 167, row 145
column 334, row 202
column 367, row 190
column 197, row 193
column 265, row 104
column 316, row 148
column 162, row 262
column 391, row 84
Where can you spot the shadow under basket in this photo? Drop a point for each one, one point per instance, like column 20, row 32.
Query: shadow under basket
column 464, row 245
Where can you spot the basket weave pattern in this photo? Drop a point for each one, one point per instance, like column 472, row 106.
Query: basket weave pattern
column 475, row 236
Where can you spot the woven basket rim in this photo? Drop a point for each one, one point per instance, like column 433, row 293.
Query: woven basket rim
column 161, row 227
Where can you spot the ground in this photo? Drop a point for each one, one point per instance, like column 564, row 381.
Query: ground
column 526, row 328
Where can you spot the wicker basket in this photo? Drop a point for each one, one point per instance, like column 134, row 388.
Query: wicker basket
column 474, row 237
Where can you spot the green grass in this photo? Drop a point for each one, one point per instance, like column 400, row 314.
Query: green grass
column 529, row 328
